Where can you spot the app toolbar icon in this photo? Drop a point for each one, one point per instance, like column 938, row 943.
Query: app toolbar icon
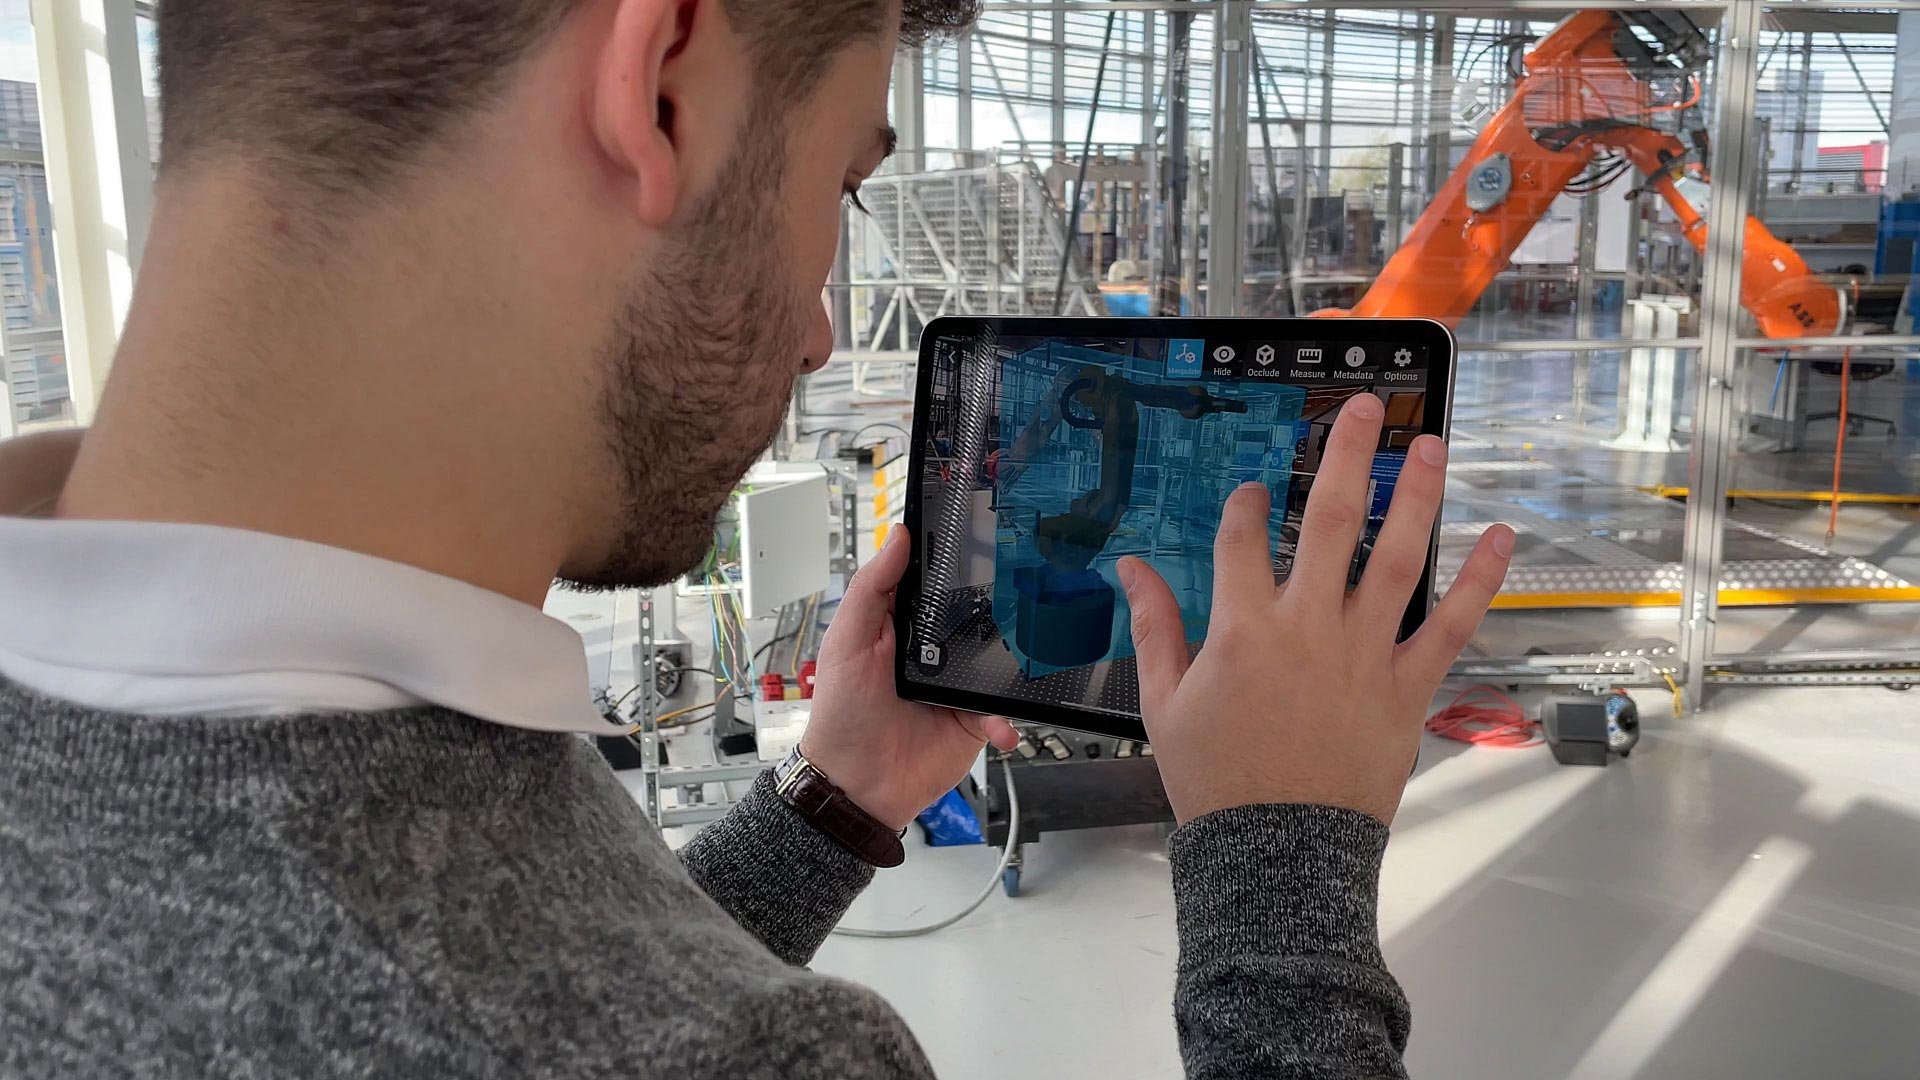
column 1403, row 357
column 1183, row 358
column 1263, row 355
column 1308, row 356
column 1356, row 356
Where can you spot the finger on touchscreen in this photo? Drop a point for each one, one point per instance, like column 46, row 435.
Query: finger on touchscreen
column 1243, row 550
column 1401, row 548
column 1337, row 504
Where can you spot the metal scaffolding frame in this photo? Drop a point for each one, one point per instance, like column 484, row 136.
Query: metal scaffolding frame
column 1715, row 438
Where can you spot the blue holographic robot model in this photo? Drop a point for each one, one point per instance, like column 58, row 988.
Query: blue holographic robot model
column 1102, row 455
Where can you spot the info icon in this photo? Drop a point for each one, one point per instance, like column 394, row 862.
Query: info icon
column 1356, row 356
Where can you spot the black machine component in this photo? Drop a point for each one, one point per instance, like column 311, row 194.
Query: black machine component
column 1584, row 730
column 1682, row 49
column 1623, row 723
column 671, row 659
column 1576, row 729
column 623, row 753
column 1094, row 786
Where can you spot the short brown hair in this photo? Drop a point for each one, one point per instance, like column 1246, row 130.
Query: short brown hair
column 343, row 94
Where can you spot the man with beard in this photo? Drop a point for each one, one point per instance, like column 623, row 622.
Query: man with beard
column 444, row 300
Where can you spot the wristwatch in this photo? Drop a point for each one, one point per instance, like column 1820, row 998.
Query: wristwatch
column 827, row 808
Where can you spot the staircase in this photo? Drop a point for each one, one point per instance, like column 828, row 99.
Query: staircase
column 34, row 374
column 984, row 240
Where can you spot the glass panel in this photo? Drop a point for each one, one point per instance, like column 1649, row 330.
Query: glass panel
column 1835, row 194
column 941, row 114
column 1483, row 171
column 35, row 351
column 1491, row 171
column 1819, row 424
column 1597, row 565
column 1800, row 576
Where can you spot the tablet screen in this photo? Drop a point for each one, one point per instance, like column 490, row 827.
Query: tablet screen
column 1043, row 460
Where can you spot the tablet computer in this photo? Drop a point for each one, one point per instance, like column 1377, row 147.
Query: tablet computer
column 1046, row 449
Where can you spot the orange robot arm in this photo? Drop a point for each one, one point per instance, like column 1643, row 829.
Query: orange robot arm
column 1785, row 297
column 1580, row 96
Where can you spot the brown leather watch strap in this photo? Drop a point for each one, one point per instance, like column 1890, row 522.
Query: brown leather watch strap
column 828, row 809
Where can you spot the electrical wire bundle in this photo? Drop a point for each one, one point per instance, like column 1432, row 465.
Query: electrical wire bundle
column 802, row 634
column 728, row 624
column 693, row 714
column 1484, row 716
column 851, row 437
column 1511, row 63
column 1605, row 170
column 730, row 672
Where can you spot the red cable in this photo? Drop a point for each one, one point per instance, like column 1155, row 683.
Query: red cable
column 1484, row 716
column 1839, row 444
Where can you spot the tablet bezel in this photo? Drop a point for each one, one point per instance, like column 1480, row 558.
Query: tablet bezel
column 1442, row 357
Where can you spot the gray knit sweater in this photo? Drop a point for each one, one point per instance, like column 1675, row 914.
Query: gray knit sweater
column 420, row 894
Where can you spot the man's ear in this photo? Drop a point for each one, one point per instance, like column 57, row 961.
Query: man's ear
column 633, row 119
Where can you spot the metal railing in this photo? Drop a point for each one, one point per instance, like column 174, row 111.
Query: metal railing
column 982, row 240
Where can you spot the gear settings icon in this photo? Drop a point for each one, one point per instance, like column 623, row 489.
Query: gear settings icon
column 1403, row 357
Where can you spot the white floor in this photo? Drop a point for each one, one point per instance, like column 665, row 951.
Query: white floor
column 1741, row 898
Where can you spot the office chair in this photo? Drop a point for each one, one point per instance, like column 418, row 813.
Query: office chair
column 1861, row 371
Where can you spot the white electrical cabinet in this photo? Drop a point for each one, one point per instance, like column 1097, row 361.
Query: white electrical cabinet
column 784, row 522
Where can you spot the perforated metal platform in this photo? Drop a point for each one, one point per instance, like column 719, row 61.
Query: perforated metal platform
column 1589, row 544
column 975, row 657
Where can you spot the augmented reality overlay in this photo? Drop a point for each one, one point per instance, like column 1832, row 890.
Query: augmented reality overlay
column 1048, row 460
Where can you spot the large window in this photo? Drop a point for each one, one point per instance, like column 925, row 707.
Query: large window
column 34, row 354
column 149, row 45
